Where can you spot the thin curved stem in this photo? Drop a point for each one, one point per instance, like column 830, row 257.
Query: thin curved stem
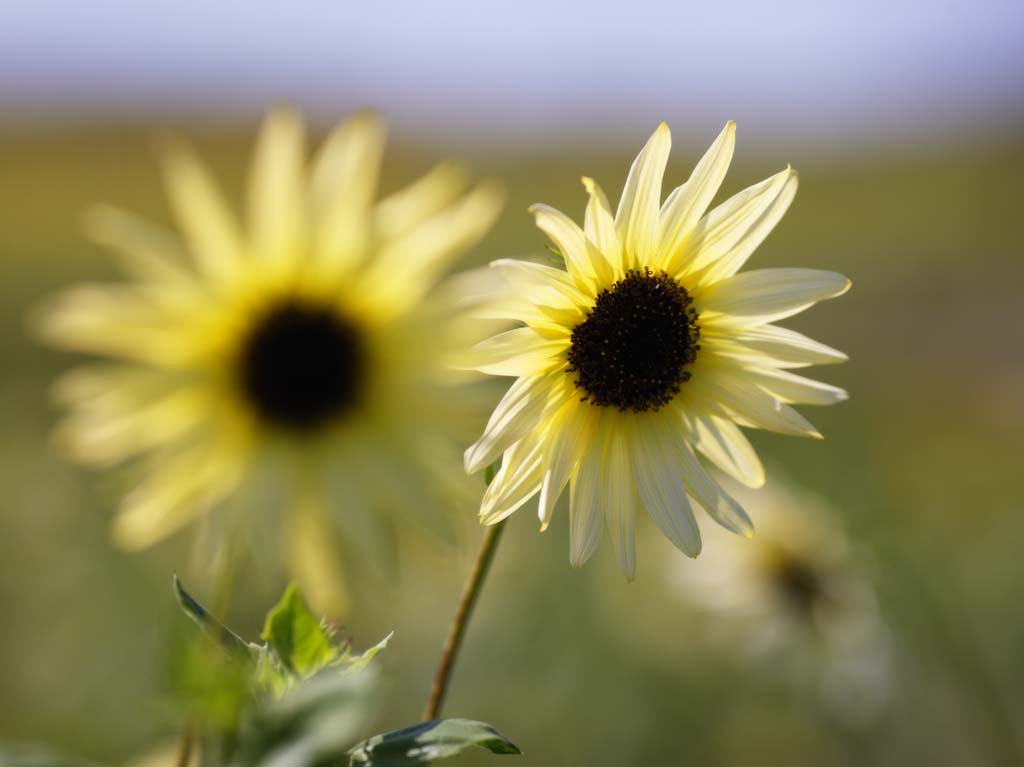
column 470, row 594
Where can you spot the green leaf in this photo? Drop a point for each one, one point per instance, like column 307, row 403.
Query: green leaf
column 359, row 662
column 297, row 636
column 426, row 743
column 312, row 725
column 213, row 627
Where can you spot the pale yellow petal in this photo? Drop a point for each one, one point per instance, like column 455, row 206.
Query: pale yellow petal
column 659, row 483
column 687, row 203
column 176, row 491
column 211, row 230
column 398, row 213
column 795, row 389
column 719, row 505
column 540, row 284
column 571, row 243
column 585, row 522
column 766, row 295
column 569, row 431
column 787, row 347
column 619, row 501
column 599, row 228
column 276, row 189
column 147, row 252
column 518, row 480
column 104, row 436
column 725, row 238
column 517, row 352
column 343, row 188
column 637, row 216
column 724, row 444
column 115, row 321
column 517, row 414
column 405, row 270
column 732, row 395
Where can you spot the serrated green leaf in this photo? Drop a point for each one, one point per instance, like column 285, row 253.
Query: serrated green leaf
column 297, row 637
column 359, row 662
column 426, row 743
column 213, row 627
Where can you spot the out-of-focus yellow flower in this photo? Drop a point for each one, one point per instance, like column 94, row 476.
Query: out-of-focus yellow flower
column 798, row 595
column 305, row 345
column 647, row 350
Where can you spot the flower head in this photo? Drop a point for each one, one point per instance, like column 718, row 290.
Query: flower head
column 302, row 346
column 647, row 350
column 799, row 596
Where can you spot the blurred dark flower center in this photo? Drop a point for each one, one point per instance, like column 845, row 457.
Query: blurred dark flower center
column 632, row 350
column 799, row 582
column 302, row 365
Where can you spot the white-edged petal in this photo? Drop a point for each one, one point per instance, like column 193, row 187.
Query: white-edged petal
column 726, row 237
column 724, row 444
column 686, row 204
column 787, row 347
column 795, row 389
column 765, row 295
column 731, row 394
column 639, row 207
column 518, row 480
column 585, row 523
column 660, row 485
column 599, row 228
column 619, row 501
column 518, row 352
column 570, row 241
column 540, row 283
column 569, row 431
column 719, row 505
column 518, row 413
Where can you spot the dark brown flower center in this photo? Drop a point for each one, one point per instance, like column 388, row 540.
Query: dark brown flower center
column 301, row 365
column 632, row 350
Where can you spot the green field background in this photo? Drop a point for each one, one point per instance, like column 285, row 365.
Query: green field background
column 578, row 667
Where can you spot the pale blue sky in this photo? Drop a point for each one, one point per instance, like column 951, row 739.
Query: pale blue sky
column 808, row 71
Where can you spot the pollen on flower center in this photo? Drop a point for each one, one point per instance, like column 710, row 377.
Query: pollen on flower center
column 301, row 365
column 632, row 350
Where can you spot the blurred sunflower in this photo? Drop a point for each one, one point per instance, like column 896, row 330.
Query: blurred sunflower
column 302, row 346
column 798, row 596
column 646, row 348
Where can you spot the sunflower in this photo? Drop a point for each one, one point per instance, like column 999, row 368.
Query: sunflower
column 306, row 345
column 648, row 350
column 798, row 598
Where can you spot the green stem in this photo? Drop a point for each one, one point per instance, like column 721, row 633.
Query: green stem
column 462, row 615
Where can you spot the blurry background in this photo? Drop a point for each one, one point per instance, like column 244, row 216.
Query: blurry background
column 904, row 120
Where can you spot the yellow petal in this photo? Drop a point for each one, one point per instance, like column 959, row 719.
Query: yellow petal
column 276, row 194
column 637, row 217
